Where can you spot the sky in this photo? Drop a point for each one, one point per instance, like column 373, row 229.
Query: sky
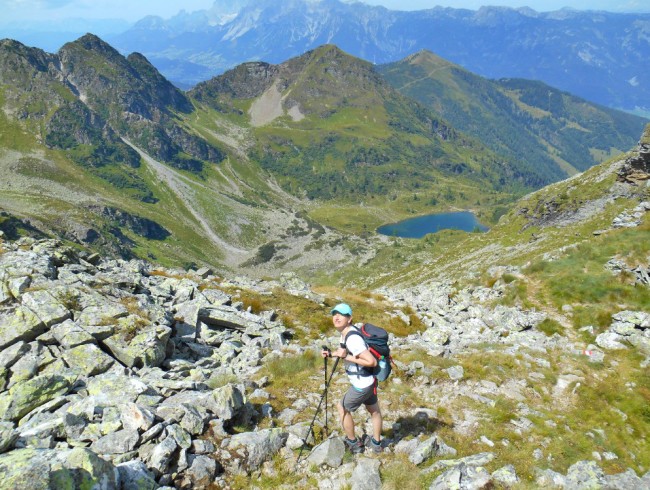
column 24, row 11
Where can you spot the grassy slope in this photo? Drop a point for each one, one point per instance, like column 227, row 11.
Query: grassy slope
column 528, row 120
column 605, row 407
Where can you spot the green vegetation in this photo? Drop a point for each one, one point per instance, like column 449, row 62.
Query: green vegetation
column 550, row 133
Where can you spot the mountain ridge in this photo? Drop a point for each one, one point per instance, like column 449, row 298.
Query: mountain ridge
column 561, row 48
column 496, row 110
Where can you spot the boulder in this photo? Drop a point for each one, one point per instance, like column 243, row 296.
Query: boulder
column 89, row 359
column 225, row 402
column 329, row 453
column 366, row 474
column 585, row 474
column 134, row 475
column 45, row 469
column 28, row 395
column 147, row 348
column 247, row 451
column 462, row 476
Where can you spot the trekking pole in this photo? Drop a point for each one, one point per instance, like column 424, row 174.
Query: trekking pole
column 311, row 426
column 329, row 353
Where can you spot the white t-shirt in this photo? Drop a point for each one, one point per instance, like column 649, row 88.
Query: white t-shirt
column 356, row 346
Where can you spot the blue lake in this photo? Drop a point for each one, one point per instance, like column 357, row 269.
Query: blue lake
column 431, row 223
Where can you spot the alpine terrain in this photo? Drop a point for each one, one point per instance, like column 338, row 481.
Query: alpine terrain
column 169, row 260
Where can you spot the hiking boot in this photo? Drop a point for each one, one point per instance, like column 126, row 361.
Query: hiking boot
column 375, row 447
column 355, row 446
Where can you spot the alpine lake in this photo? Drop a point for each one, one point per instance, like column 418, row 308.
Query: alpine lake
column 420, row 226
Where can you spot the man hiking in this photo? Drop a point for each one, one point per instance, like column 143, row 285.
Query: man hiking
column 359, row 364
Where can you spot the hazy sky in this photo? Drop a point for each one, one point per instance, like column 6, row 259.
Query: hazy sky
column 132, row 10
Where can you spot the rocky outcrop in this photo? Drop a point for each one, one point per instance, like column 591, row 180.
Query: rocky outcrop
column 636, row 169
column 110, row 374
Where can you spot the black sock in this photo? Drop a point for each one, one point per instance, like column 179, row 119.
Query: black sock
column 375, row 441
column 351, row 440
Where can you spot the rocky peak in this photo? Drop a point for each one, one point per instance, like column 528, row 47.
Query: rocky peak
column 91, row 43
column 90, row 81
column 636, row 169
column 246, row 81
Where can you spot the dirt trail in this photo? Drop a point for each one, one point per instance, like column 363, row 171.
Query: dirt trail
column 180, row 185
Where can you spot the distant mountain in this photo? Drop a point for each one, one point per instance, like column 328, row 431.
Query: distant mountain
column 599, row 56
column 526, row 120
column 331, row 127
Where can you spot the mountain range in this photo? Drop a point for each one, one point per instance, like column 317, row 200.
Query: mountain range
column 266, row 167
column 598, row 56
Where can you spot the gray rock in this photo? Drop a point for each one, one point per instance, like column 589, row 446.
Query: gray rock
column 225, row 402
column 28, row 395
column 202, row 446
column 456, row 372
column 104, row 312
column 201, row 472
column 152, row 433
column 51, row 427
column 611, row 341
column 424, row 450
column 366, row 474
column 13, row 353
column 194, row 419
column 254, row 448
column 462, row 476
column 646, row 479
column 480, row 459
column 31, row 363
column 41, row 469
column 70, row 334
column 626, row 480
column 180, row 435
column 118, row 442
column 31, row 319
column 506, row 476
column 161, row 456
column 113, row 389
column 436, row 336
column 89, row 359
column 135, row 417
column 134, row 475
column 8, row 435
column 329, row 453
column 147, row 348
column 585, row 474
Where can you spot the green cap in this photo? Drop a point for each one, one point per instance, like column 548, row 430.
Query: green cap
column 343, row 309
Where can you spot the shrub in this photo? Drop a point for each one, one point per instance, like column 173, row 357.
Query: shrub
column 550, row 327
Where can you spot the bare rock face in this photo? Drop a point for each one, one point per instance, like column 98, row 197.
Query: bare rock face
column 636, row 169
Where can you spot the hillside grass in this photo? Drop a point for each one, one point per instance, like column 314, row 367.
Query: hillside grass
column 604, row 411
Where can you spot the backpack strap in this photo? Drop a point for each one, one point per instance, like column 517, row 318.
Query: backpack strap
column 361, row 370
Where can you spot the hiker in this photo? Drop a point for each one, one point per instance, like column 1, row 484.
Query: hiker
column 358, row 365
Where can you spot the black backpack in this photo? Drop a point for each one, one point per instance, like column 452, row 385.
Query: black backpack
column 376, row 338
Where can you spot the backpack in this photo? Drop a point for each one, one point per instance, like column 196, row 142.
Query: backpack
column 376, row 338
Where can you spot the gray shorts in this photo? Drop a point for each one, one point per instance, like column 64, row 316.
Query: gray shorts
column 356, row 397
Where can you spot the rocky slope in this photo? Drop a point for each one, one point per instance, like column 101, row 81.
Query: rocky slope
column 118, row 374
